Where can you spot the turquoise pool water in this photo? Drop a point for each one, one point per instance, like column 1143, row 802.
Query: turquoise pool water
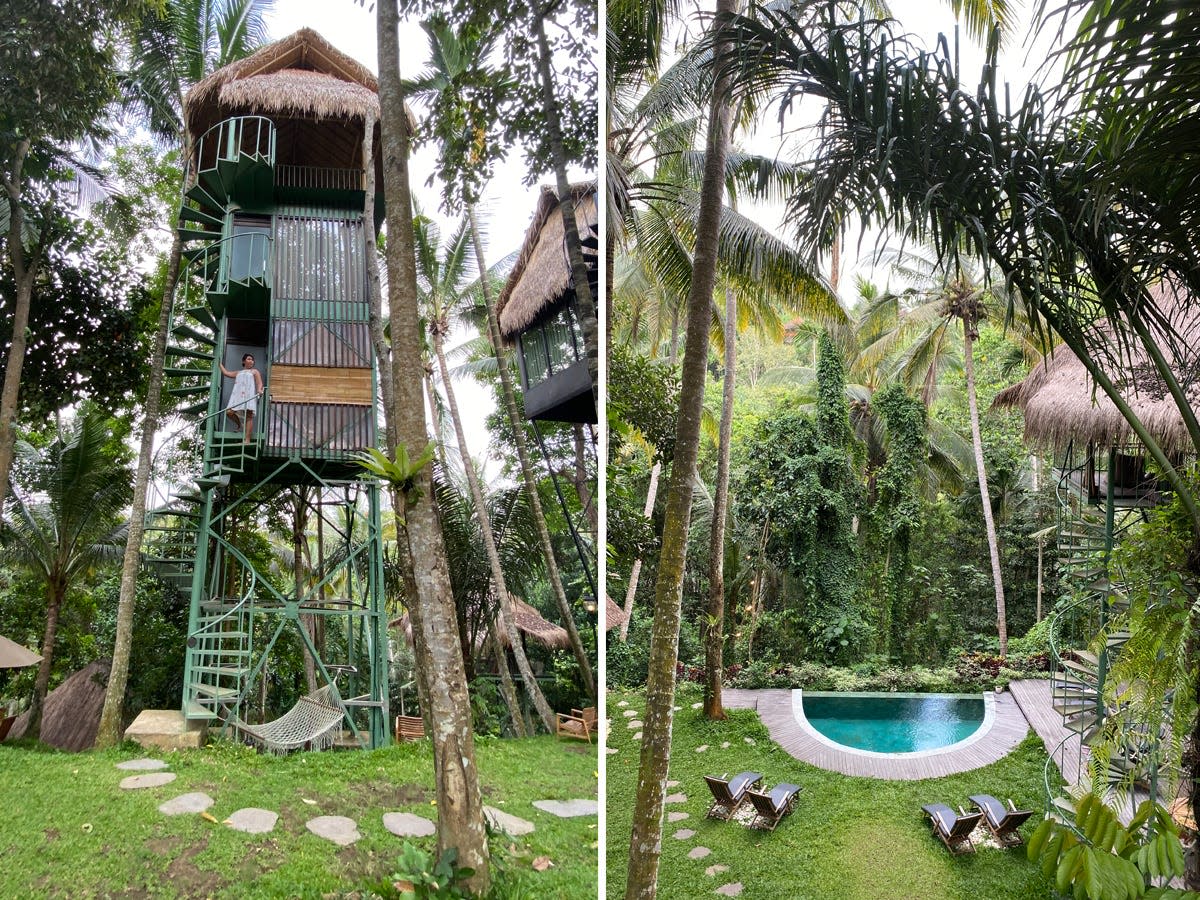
column 894, row 724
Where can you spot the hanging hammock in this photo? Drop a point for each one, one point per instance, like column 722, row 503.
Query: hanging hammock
column 314, row 720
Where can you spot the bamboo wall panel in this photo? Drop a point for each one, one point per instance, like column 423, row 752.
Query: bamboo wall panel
column 302, row 342
column 310, row 384
column 315, row 427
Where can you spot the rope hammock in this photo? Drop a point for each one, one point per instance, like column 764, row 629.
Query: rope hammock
column 313, row 721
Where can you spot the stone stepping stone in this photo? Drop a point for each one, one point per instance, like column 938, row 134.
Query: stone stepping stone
column 698, row 852
column 186, row 803
column 713, row 871
column 339, row 829
column 697, row 705
column 702, row 748
column 638, row 736
column 611, row 750
column 677, row 816
column 253, row 820
column 683, row 834
column 513, row 826
column 724, row 745
column 141, row 765
column 676, row 708
column 749, row 741
column 635, row 723
column 730, row 890
column 404, row 824
column 629, row 713
column 672, row 783
column 676, row 798
column 568, row 809
column 154, row 779
column 622, row 703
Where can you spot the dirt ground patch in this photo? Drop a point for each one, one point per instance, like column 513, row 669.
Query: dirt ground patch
column 188, row 880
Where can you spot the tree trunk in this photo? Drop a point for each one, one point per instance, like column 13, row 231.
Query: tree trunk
column 582, row 488
column 969, row 336
column 645, row 845
column 374, row 293
column 527, row 476
column 55, row 592
column 589, row 324
column 714, row 645
column 508, row 690
column 109, row 732
column 459, row 802
column 499, row 587
column 24, row 272
column 635, row 574
column 307, row 621
column 1192, row 861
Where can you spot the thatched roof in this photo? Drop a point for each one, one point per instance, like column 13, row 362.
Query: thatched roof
column 1061, row 402
column 14, row 656
column 542, row 273
column 613, row 614
column 525, row 617
column 302, row 74
column 71, row 717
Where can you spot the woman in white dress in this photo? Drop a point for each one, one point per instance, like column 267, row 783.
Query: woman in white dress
column 247, row 385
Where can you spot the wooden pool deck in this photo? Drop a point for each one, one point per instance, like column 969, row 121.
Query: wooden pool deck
column 1033, row 696
column 774, row 707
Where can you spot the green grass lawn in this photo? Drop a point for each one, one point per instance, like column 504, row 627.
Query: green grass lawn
column 69, row 831
column 848, row 839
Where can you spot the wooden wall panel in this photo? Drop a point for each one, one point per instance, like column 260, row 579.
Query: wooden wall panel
column 309, row 384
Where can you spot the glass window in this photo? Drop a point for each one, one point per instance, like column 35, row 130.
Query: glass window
column 249, row 249
column 537, row 363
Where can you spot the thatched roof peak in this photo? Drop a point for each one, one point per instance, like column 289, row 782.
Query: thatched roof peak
column 301, row 74
column 542, row 273
column 1062, row 403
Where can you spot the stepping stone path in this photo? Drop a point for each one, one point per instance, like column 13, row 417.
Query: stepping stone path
column 511, row 825
column 676, row 798
column 713, row 871
column 611, row 750
column 672, row 784
column 408, row 825
column 676, row 816
column 622, row 703
column 724, row 745
column 154, row 779
column 638, row 736
column 683, row 834
column 697, row 705
column 749, row 741
column 141, row 765
column 635, row 723
column 698, row 852
column 730, row 890
column 253, row 820
column 186, row 803
column 339, row 829
column 702, row 748
column 568, row 809
column 629, row 713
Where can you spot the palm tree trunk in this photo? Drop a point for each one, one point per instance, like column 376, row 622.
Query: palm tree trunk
column 25, row 272
column 499, row 587
column 307, row 621
column 374, row 292
column 645, row 845
column 969, row 336
column 589, row 324
column 635, row 574
column 714, row 644
column 582, row 488
column 459, row 801
column 55, row 592
column 109, row 732
column 507, row 689
column 527, row 476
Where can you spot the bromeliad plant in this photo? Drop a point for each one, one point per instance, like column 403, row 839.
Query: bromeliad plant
column 1090, row 854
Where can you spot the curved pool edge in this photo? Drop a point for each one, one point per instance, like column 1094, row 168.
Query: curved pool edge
column 989, row 719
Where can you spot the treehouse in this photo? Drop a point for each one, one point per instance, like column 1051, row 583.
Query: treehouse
column 274, row 264
column 538, row 312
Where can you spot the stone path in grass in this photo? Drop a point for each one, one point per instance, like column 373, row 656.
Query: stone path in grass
column 568, row 809
column 342, row 830
column 733, row 889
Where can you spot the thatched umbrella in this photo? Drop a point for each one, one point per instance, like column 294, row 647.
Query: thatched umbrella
column 14, row 656
column 542, row 274
column 1062, row 404
column 527, row 619
column 613, row 614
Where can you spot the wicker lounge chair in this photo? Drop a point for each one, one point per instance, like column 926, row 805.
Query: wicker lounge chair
column 729, row 793
column 770, row 808
column 954, row 828
column 1002, row 821
column 579, row 724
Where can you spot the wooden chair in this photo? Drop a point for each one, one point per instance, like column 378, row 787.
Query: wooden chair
column 729, row 793
column 409, row 728
column 1003, row 821
column 769, row 809
column 6, row 724
column 579, row 724
column 953, row 828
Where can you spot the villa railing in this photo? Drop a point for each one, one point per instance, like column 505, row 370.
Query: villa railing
column 318, row 178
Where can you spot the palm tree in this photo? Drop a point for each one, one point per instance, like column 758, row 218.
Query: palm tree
column 170, row 53
column 63, row 520
column 444, row 277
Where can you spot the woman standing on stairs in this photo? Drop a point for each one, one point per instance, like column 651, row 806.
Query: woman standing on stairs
column 247, row 385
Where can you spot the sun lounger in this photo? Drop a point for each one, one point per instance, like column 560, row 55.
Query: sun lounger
column 770, row 808
column 954, row 828
column 1003, row 821
column 729, row 793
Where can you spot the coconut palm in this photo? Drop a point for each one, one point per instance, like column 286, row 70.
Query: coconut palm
column 169, row 54
column 62, row 519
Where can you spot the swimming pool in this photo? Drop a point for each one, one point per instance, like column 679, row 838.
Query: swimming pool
column 893, row 724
